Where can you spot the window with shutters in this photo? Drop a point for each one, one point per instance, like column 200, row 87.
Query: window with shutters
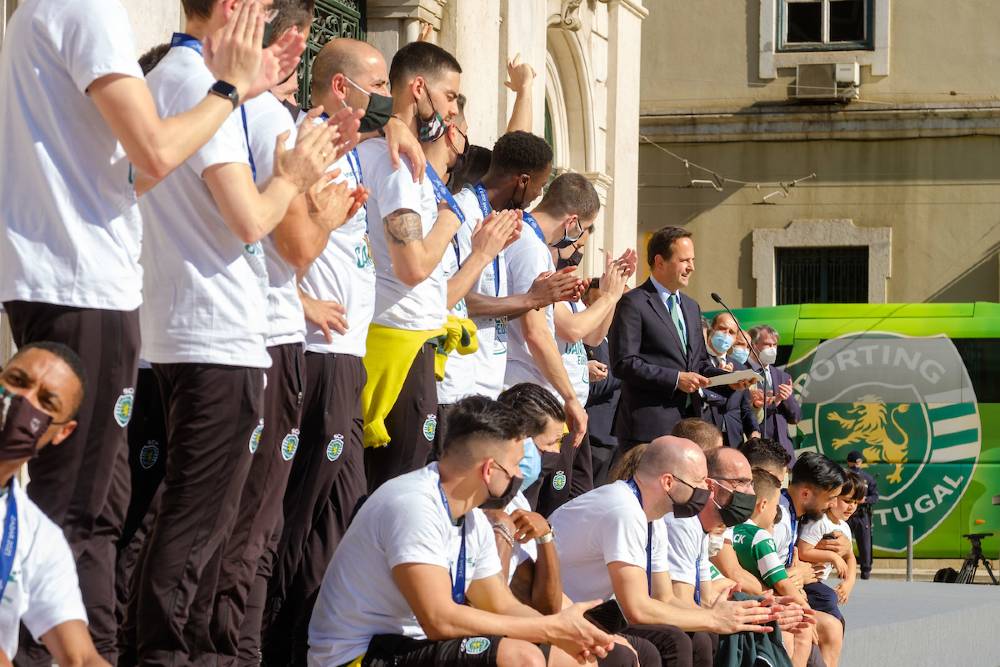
column 331, row 19
column 821, row 275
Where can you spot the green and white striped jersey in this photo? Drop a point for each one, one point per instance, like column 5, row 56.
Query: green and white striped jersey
column 757, row 553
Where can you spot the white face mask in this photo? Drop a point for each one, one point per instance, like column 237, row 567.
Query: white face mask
column 715, row 544
column 768, row 355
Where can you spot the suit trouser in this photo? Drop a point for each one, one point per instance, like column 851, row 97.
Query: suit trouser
column 555, row 486
column 83, row 484
column 260, row 507
column 861, row 527
column 412, row 424
column 212, row 413
column 147, row 459
column 677, row 648
column 326, row 485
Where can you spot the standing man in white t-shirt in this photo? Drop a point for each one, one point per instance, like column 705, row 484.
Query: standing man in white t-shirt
column 565, row 213
column 338, row 291
column 70, row 232
column 205, row 330
column 628, row 556
column 286, row 250
column 577, row 325
column 433, row 592
column 520, row 166
column 409, row 237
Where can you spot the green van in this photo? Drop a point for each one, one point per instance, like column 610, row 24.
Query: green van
column 916, row 389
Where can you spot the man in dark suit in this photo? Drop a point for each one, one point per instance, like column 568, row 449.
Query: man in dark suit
column 657, row 347
column 773, row 395
column 861, row 521
column 602, row 401
column 729, row 410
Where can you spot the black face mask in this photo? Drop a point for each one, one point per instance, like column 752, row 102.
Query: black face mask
column 568, row 240
column 739, row 508
column 501, row 501
column 572, row 260
column 377, row 113
column 693, row 505
column 21, row 427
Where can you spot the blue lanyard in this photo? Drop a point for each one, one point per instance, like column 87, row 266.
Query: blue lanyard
column 649, row 538
column 697, row 580
column 355, row 161
column 795, row 527
column 530, row 219
column 187, row 41
column 443, row 194
column 9, row 544
column 486, row 208
column 458, row 582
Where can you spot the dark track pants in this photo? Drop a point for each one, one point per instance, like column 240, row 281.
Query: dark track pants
column 212, row 413
column 861, row 526
column 327, row 483
column 260, row 511
column 412, row 424
column 677, row 648
column 83, row 484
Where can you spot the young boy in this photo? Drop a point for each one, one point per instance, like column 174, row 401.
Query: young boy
column 821, row 596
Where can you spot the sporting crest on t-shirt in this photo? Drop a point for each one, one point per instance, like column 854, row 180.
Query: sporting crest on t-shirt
column 149, row 454
column 123, row 406
column 335, row 448
column 290, row 445
column 430, row 427
column 475, row 645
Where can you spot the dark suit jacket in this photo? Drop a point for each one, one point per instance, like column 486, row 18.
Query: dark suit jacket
column 732, row 408
column 778, row 417
column 603, row 400
column 646, row 355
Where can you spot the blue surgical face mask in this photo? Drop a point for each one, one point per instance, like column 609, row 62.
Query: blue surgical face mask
column 739, row 354
column 531, row 464
column 722, row 341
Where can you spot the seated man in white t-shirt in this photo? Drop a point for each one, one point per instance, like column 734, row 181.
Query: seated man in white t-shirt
column 611, row 541
column 40, row 391
column 432, row 591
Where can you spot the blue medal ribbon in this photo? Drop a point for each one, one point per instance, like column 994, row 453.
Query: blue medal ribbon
column 530, row 219
column 458, row 581
column 443, row 194
column 486, row 208
column 189, row 42
column 649, row 537
column 697, row 580
column 8, row 551
column 795, row 527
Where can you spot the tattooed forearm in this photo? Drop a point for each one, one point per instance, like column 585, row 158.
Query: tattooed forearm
column 403, row 226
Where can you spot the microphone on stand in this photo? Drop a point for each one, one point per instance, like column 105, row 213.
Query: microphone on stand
column 718, row 299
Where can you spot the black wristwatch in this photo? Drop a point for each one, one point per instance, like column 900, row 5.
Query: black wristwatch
column 226, row 90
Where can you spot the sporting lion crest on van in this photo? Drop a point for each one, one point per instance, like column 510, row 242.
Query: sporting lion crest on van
column 868, row 423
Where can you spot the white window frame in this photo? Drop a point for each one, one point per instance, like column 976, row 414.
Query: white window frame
column 771, row 59
column 824, row 42
column 826, row 232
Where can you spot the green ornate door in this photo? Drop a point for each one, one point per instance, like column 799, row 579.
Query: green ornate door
column 331, row 19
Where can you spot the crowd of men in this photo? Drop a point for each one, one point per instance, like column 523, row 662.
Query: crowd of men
column 325, row 386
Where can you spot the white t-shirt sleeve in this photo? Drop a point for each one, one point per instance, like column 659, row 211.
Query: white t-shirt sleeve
column 53, row 589
column 95, row 40
column 661, row 547
column 524, row 263
column 229, row 145
column 814, row 531
column 393, row 189
column 684, row 548
column 417, row 533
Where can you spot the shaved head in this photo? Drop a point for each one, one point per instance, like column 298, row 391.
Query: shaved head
column 346, row 56
column 673, row 455
column 727, row 463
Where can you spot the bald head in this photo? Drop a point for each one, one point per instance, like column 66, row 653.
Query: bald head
column 673, row 455
column 727, row 463
column 359, row 61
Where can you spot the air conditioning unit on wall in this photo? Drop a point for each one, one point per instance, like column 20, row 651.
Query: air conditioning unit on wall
column 838, row 82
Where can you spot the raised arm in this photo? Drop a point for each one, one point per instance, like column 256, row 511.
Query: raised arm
column 491, row 236
column 548, row 288
column 520, row 77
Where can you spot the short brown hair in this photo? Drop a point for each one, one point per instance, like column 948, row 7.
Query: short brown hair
column 420, row 59
column 571, row 194
column 764, row 483
column 662, row 242
column 290, row 14
column 698, row 431
column 200, row 8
